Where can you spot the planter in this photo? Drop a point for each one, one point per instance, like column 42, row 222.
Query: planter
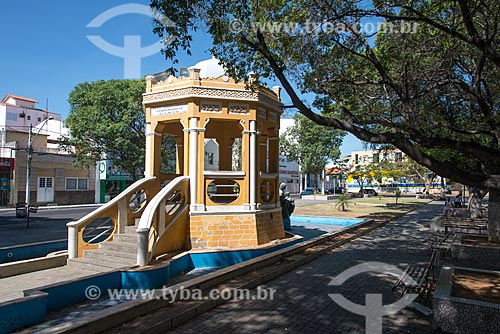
column 478, row 255
column 455, row 314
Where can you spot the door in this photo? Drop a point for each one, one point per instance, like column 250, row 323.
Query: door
column 45, row 190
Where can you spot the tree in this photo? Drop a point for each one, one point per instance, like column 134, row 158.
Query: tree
column 313, row 146
column 106, row 119
column 343, row 202
column 432, row 90
column 362, row 174
column 418, row 172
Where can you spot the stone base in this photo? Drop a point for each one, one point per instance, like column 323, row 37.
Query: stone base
column 460, row 315
column 476, row 256
column 235, row 229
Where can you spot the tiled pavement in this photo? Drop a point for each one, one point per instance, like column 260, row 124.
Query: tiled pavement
column 301, row 303
column 13, row 287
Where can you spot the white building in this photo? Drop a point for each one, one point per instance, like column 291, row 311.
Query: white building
column 54, row 179
column 367, row 157
column 289, row 170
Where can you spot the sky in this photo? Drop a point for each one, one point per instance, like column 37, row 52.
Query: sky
column 46, row 50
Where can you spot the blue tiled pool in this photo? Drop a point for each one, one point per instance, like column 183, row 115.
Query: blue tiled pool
column 325, row 220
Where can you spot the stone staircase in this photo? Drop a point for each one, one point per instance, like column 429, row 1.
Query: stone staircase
column 113, row 255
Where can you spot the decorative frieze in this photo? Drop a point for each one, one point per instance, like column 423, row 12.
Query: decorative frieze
column 210, row 107
column 209, row 92
column 273, row 117
column 262, row 113
column 238, row 109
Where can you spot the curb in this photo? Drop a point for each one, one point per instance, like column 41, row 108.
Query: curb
column 51, row 207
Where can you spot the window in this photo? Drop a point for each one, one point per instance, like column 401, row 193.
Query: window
column 375, row 157
column 210, row 158
column 72, row 183
column 82, row 184
column 39, row 119
column 28, row 117
column 356, row 159
column 11, row 116
column 399, row 156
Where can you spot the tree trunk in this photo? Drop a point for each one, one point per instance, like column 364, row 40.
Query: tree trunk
column 476, row 201
column 494, row 216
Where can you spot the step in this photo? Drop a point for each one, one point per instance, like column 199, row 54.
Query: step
column 130, row 229
column 118, row 246
column 107, row 255
column 129, row 238
column 95, row 265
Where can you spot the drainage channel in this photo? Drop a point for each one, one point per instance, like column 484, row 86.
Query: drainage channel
column 168, row 308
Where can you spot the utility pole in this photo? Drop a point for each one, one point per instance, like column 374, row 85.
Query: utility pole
column 28, row 176
column 29, row 151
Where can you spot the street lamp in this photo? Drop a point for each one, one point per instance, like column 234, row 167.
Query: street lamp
column 29, row 150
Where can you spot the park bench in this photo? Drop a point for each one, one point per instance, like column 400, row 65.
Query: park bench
column 440, row 241
column 463, row 224
column 459, row 227
column 423, row 276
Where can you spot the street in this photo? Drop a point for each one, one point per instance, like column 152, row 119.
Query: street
column 45, row 225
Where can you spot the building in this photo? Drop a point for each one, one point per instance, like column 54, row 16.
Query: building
column 289, row 170
column 367, row 157
column 406, row 183
column 54, row 178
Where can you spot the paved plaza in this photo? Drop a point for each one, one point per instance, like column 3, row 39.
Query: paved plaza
column 301, row 303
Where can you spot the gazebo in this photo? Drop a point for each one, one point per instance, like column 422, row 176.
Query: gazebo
column 227, row 140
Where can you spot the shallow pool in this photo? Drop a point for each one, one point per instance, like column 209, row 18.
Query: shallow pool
column 324, row 220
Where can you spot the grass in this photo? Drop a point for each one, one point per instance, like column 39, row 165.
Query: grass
column 372, row 207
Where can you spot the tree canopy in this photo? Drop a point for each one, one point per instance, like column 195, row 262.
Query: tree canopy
column 312, row 145
column 106, row 121
column 431, row 90
column 427, row 81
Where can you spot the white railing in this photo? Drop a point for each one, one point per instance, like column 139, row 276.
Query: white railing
column 169, row 206
column 115, row 215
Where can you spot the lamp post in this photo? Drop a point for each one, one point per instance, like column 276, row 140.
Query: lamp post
column 29, row 151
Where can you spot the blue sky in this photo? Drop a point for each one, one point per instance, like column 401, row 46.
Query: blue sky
column 45, row 50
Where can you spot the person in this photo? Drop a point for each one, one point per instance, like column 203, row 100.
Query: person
column 458, row 200
column 287, row 206
column 448, row 209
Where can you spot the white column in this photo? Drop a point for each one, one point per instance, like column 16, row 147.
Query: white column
column 193, row 161
column 253, row 166
column 323, row 182
column 147, row 167
column 122, row 215
column 72, row 241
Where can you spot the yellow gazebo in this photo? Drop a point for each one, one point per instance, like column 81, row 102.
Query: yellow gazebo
column 227, row 144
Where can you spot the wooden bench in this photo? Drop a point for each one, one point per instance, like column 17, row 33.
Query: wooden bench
column 452, row 227
column 440, row 241
column 420, row 279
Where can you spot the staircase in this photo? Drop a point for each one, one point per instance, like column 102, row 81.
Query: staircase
column 113, row 255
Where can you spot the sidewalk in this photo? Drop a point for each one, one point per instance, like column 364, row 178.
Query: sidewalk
column 301, row 303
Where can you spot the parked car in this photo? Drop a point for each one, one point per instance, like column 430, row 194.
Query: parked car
column 370, row 192
column 309, row 191
column 335, row 190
